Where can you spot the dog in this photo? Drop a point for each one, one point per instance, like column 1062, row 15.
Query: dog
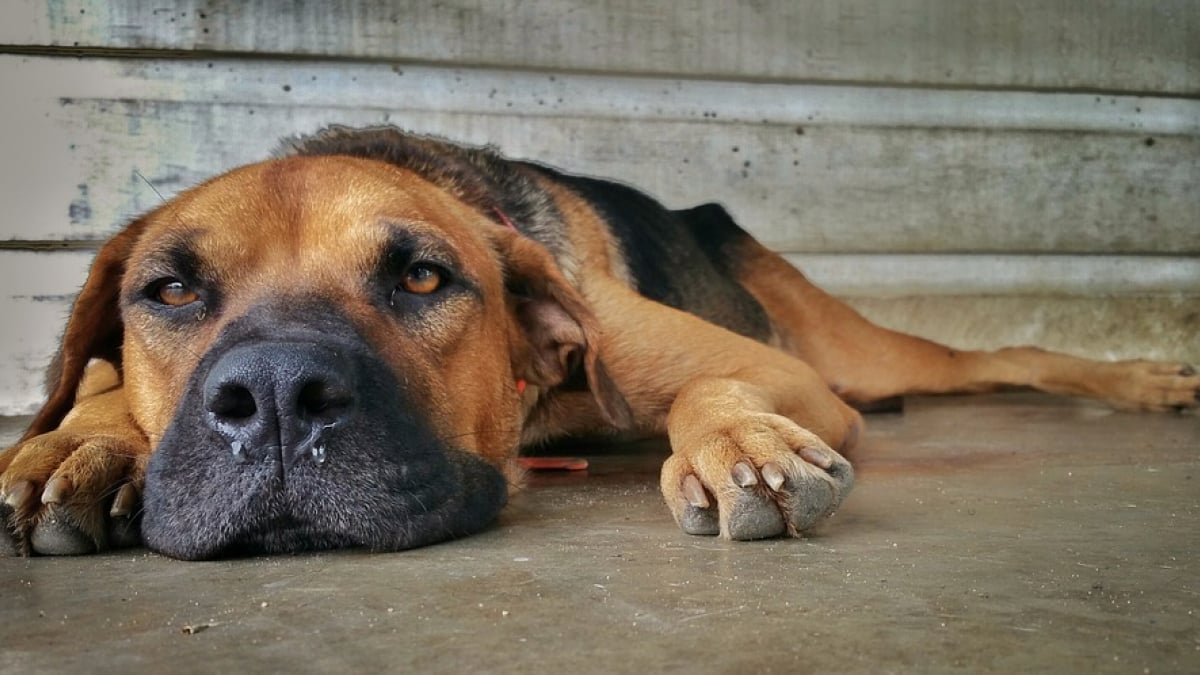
column 347, row 345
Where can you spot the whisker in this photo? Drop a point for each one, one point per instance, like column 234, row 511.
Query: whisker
column 150, row 185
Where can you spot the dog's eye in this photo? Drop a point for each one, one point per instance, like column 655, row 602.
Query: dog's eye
column 422, row 279
column 175, row 293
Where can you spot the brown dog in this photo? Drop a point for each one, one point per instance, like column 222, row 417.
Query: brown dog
column 346, row 346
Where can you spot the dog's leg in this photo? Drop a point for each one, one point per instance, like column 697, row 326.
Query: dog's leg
column 756, row 434
column 76, row 489
column 864, row 362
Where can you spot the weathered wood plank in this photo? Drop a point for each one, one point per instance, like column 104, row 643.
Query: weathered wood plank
column 1118, row 45
column 541, row 94
column 839, row 182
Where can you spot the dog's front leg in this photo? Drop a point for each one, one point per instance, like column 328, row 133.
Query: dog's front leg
column 76, row 489
column 755, row 433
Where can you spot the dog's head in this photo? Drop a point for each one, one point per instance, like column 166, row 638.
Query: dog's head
column 324, row 352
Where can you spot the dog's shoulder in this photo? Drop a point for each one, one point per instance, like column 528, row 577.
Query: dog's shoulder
column 686, row 258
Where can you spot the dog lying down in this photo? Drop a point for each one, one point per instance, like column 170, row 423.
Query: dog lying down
column 346, row 345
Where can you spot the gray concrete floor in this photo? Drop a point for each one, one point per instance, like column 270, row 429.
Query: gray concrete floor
column 1005, row 533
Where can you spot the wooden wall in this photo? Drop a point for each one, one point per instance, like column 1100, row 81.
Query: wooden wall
column 983, row 172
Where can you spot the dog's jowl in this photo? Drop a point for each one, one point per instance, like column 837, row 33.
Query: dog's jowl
column 348, row 344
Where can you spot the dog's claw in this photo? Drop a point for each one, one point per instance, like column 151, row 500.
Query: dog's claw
column 816, row 457
column 773, row 475
column 125, row 501
column 744, row 475
column 694, row 492
column 58, row 490
column 697, row 515
column 18, row 494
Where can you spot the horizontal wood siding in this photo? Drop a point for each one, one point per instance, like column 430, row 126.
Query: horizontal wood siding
column 981, row 173
column 1119, row 45
column 812, row 173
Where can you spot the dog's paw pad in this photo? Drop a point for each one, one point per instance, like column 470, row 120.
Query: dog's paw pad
column 807, row 500
column 700, row 521
column 53, row 535
column 753, row 515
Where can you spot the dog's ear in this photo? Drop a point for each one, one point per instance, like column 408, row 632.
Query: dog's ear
column 560, row 336
column 94, row 330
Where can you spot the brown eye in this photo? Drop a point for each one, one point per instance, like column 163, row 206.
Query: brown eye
column 422, row 279
column 174, row 293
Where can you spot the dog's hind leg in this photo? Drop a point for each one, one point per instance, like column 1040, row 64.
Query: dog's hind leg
column 864, row 362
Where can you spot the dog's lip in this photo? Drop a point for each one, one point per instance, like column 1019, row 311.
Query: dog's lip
column 315, row 508
column 278, row 526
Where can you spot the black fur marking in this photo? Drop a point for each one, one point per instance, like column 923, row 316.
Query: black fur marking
column 684, row 259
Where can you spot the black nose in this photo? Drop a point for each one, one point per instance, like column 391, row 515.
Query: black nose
column 276, row 399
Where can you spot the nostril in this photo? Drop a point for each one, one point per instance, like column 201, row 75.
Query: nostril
column 323, row 400
column 233, row 402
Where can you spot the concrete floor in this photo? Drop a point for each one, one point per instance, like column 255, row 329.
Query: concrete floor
column 1007, row 533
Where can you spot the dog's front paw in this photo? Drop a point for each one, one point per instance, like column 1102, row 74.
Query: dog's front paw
column 753, row 476
column 64, row 493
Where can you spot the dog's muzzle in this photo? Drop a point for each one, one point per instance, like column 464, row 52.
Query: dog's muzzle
column 292, row 436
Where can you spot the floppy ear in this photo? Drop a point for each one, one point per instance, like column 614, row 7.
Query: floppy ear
column 94, row 330
column 560, row 334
